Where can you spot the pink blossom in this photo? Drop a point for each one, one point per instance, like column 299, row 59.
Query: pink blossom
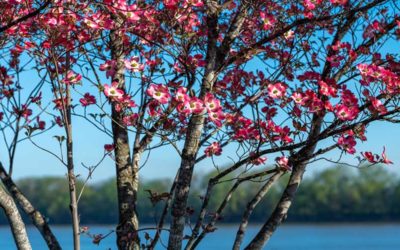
column 59, row 121
column 283, row 162
column 335, row 60
column 347, row 144
column 130, row 120
column 171, row 4
column 328, row 89
column 212, row 104
column 384, row 157
column 113, row 92
column 195, row 3
column 298, row 98
column 193, row 106
column 311, row 4
column 72, row 78
column 159, row 92
column 87, row 100
column 216, row 117
column 369, row 157
column 277, row 90
column 259, row 160
column 339, row 2
column 133, row 64
column 181, row 95
column 346, row 113
column 377, row 106
column 268, row 20
column 154, row 108
column 289, row 35
column 41, row 125
column 124, row 102
column 109, row 147
column 25, row 112
column 109, row 67
column 213, row 149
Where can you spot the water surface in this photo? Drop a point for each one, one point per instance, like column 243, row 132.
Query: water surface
column 287, row 237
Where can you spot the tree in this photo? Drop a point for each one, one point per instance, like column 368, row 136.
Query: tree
column 286, row 79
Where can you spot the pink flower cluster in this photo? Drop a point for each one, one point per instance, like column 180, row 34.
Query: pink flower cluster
column 374, row 158
column 87, row 100
column 347, row 143
column 283, row 162
column 311, row 4
column 374, row 73
column 187, row 105
column 347, row 109
column 131, row 65
column 118, row 96
column 192, row 62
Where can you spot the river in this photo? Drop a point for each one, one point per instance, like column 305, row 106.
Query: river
column 287, row 237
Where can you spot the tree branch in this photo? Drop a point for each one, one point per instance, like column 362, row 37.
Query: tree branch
column 18, row 228
column 26, row 17
column 36, row 217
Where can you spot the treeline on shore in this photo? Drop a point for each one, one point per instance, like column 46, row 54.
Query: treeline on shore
column 337, row 194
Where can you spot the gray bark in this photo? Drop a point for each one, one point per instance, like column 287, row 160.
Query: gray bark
column 17, row 225
column 70, row 163
column 250, row 208
column 36, row 217
column 183, row 184
column 298, row 161
column 280, row 211
column 193, row 135
column 192, row 142
column 127, row 171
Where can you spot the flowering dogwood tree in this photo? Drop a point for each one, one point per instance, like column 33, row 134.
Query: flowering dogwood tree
column 280, row 82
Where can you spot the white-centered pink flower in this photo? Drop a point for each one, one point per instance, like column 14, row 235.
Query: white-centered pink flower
column 113, row 92
column 216, row 117
column 268, row 20
column 212, row 104
column 181, row 95
column 72, row 78
column 277, row 90
column 133, row 64
column 159, row 92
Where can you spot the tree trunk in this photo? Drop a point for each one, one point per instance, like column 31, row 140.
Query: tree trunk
column 280, row 211
column 127, row 173
column 36, row 217
column 184, row 180
column 298, row 161
column 17, row 225
column 70, row 162
column 193, row 137
column 251, row 206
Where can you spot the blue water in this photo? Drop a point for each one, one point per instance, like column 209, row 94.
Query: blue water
column 287, row 237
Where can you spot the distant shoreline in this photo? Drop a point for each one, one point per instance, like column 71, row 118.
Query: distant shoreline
column 232, row 224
